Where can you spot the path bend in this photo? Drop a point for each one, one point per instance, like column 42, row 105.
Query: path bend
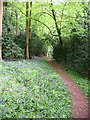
column 79, row 101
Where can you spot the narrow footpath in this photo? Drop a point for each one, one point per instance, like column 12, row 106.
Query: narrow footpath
column 79, row 101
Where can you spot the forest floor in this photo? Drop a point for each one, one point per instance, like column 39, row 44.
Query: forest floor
column 80, row 104
column 32, row 89
column 44, row 89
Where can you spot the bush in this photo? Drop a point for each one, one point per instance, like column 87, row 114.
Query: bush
column 11, row 50
column 75, row 53
column 38, row 46
column 57, row 52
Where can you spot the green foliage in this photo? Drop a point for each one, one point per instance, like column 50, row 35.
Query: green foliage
column 74, row 53
column 10, row 48
column 37, row 45
column 33, row 90
column 20, row 40
column 69, row 16
column 57, row 52
column 77, row 54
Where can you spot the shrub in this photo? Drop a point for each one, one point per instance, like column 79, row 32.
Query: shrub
column 38, row 46
column 11, row 50
column 75, row 53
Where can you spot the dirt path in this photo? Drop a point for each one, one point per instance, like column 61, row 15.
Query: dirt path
column 79, row 101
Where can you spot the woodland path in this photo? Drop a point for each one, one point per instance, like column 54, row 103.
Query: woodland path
column 80, row 104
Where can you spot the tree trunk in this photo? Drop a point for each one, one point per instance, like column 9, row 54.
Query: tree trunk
column 16, row 24
column 30, row 22
column 6, row 10
column 1, row 15
column 58, row 31
column 88, row 46
column 27, row 31
column 88, row 15
column 57, row 28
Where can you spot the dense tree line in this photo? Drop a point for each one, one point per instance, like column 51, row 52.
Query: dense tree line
column 31, row 28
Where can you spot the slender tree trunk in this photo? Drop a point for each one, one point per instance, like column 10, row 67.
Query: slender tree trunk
column 88, row 14
column 30, row 22
column 58, row 31
column 88, row 46
column 6, row 9
column 6, row 15
column 27, row 31
column 57, row 28
column 1, row 15
column 16, row 24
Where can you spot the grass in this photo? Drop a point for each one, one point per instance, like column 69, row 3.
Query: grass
column 32, row 89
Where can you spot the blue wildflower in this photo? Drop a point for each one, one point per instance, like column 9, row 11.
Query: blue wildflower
column 23, row 116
